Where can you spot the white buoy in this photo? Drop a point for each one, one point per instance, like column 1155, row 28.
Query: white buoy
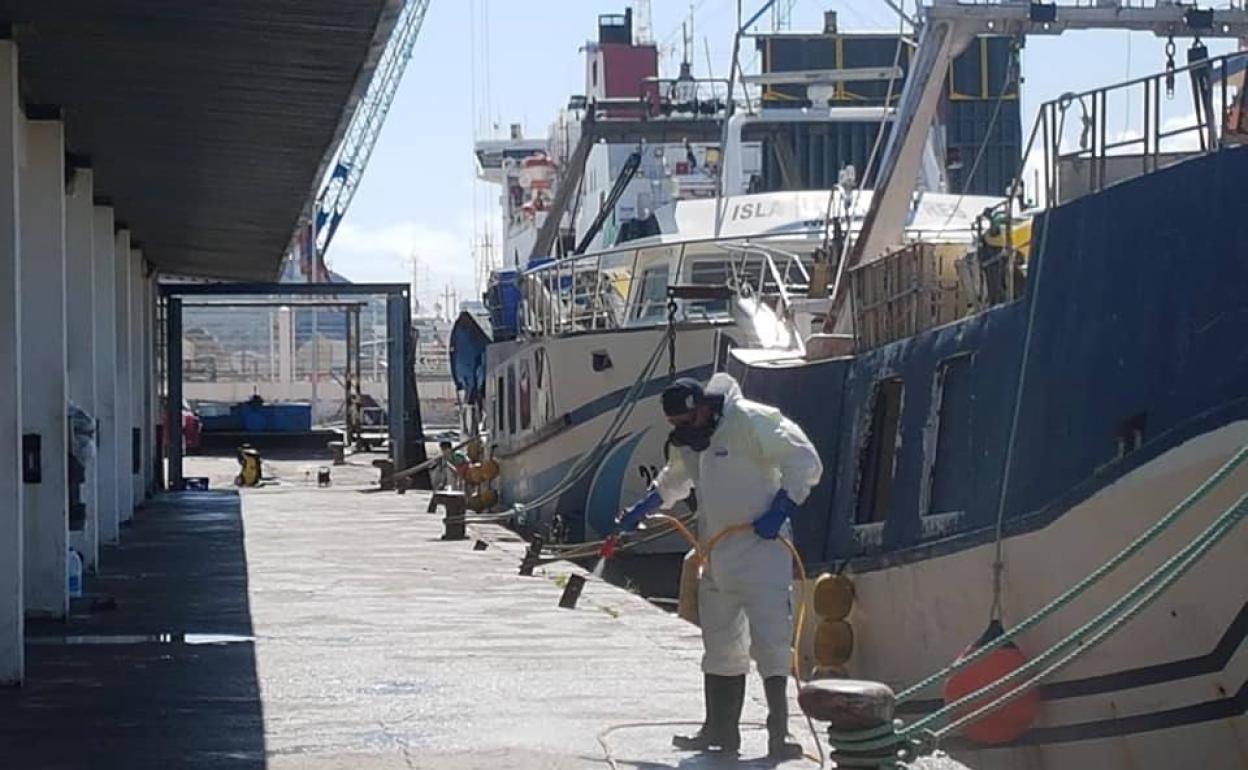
column 73, row 570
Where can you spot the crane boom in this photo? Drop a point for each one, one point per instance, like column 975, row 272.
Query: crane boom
column 361, row 135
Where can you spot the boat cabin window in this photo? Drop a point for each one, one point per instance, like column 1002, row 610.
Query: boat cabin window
column 708, row 272
column 511, row 399
column 877, row 456
column 652, row 294
column 526, row 397
column 952, row 467
column 498, row 406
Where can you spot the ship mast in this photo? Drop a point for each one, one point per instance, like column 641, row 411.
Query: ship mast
column 948, row 27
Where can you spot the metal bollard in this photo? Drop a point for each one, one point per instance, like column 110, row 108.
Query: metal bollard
column 453, row 527
column 572, row 592
column 532, row 556
column 386, row 469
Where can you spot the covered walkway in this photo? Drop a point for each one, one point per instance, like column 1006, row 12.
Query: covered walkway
column 120, row 675
column 139, row 139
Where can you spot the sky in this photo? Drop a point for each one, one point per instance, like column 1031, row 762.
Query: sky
column 480, row 65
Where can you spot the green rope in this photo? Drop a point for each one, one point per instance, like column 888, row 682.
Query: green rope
column 879, row 747
column 1092, row 579
column 1092, row 633
column 1095, row 639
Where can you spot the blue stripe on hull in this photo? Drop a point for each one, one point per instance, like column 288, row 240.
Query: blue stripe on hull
column 1211, row 662
column 1208, row 711
column 609, row 402
column 584, row 508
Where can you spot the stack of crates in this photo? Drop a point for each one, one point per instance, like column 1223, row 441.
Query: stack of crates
column 907, row 291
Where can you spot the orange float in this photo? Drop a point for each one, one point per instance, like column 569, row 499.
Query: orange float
column 1008, row 722
column 482, row 500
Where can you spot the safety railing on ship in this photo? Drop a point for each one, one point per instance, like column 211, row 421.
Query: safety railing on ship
column 624, row 288
column 1083, row 142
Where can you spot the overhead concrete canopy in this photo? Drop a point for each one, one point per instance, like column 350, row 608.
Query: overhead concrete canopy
column 209, row 125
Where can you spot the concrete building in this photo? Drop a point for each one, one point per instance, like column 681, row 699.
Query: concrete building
column 138, row 140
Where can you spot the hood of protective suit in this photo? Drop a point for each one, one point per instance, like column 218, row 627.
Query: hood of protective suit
column 754, row 452
column 723, row 384
column 718, row 393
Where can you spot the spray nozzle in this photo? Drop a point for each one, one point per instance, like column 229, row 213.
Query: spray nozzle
column 608, row 546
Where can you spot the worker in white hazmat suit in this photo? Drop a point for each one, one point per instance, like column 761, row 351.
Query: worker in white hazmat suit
column 751, row 465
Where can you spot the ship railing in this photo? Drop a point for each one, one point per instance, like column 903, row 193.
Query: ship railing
column 617, row 289
column 577, row 294
column 779, row 274
column 695, row 97
column 1081, row 143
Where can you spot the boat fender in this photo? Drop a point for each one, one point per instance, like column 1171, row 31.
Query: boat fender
column 834, row 642
column 1011, row 720
column 482, row 500
column 833, row 596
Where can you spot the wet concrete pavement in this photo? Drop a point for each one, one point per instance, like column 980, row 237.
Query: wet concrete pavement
column 351, row 636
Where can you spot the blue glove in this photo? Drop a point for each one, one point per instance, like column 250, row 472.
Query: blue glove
column 632, row 516
column 768, row 525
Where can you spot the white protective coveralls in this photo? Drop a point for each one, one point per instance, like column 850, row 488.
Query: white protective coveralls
column 754, row 452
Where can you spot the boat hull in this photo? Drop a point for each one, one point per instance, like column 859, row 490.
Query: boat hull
column 1167, row 691
column 582, row 386
column 1077, row 416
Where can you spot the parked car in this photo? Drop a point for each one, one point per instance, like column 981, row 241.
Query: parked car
column 191, row 427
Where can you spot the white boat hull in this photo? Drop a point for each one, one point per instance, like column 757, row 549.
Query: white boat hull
column 572, row 408
column 1167, row 691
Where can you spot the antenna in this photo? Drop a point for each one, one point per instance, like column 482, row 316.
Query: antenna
column 414, row 262
column 686, row 35
column 782, row 15
column 643, row 33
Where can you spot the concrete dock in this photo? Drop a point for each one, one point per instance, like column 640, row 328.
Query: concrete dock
column 292, row 626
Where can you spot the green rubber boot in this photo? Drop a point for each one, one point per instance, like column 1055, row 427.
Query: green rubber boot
column 778, row 745
column 725, row 697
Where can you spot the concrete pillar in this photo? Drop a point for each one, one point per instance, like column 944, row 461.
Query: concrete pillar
column 138, row 375
column 105, row 372
column 80, row 335
column 286, row 345
column 42, row 211
column 122, row 406
column 149, row 386
column 11, row 534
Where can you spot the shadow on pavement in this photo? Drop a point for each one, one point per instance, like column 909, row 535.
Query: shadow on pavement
column 167, row 678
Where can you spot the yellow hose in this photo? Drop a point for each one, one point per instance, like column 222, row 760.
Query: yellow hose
column 704, row 559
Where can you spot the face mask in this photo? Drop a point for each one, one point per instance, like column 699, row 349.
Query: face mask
column 692, row 436
column 697, row 439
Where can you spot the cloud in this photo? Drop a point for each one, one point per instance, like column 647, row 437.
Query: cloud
column 385, row 253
